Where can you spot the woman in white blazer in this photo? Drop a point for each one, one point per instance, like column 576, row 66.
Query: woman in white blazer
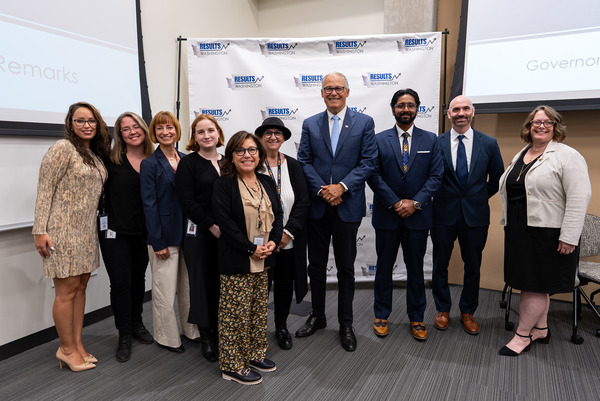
column 545, row 192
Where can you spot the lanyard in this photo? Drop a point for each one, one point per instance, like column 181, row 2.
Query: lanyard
column 278, row 181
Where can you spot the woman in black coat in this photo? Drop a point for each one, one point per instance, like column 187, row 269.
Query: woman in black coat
column 194, row 180
column 249, row 215
column 286, row 172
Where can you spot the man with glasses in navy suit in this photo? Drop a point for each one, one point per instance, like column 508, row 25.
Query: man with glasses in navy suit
column 472, row 169
column 409, row 173
column 338, row 154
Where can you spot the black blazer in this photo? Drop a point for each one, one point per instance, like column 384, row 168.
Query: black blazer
column 234, row 246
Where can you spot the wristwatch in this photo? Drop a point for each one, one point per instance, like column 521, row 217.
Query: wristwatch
column 417, row 205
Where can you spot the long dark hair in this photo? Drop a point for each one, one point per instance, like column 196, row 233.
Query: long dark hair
column 236, row 141
column 100, row 143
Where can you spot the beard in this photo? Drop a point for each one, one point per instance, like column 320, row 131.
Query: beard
column 405, row 118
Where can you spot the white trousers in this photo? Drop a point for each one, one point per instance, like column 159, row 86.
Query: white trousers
column 169, row 281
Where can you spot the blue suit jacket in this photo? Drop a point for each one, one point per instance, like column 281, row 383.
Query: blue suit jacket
column 484, row 174
column 420, row 182
column 354, row 161
column 164, row 217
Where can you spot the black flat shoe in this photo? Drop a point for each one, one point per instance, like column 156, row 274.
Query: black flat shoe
column 177, row 350
column 209, row 351
column 247, row 376
column 266, row 365
column 543, row 340
column 312, row 324
column 124, row 348
column 284, row 338
column 505, row 351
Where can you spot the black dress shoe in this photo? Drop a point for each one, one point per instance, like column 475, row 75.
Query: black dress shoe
column 140, row 333
column 312, row 324
column 124, row 348
column 284, row 338
column 177, row 350
column 347, row 338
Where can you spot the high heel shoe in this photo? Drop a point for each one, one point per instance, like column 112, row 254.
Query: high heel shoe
column 543, row 340
column 90, row 358
column 505, row 351
column 75, row 368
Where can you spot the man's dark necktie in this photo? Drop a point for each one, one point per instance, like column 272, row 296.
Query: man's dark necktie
column 461, row 162
column 405, row 152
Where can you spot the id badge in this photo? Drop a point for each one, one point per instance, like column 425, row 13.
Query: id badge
column 259, row 240
column 103, row 221
column 110, row 234
column 191, row 229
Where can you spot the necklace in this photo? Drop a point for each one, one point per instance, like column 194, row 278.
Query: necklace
column 526, row 166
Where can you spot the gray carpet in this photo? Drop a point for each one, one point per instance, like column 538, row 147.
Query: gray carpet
column 450, row 365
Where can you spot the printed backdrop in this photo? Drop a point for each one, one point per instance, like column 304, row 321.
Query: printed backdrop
column 243, row 81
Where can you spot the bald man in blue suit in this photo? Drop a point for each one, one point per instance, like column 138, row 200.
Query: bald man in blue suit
column 338, row 154
column 472, row 169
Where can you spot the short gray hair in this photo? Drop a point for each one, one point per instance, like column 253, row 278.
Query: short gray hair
column 336, row 73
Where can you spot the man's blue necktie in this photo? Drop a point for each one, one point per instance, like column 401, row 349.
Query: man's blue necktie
column 335, row 133
column 405, row 152
column 462, row 170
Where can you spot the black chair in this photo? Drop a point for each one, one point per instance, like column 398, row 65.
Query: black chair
column 587, row 272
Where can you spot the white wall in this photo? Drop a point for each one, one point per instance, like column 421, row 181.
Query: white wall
column 25, row 295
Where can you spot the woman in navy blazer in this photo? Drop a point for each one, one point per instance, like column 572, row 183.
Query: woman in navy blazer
column 164, row 221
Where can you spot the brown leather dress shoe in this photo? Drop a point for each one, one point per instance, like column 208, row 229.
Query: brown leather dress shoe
column 469, row 323
column 381, row 328
column 419, row 332
column 442, row 319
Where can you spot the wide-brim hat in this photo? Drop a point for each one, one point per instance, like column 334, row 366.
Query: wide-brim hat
column 273, row 122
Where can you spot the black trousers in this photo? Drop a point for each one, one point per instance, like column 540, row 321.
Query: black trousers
column 283, row 276
column 126, row 260
column 321, row 232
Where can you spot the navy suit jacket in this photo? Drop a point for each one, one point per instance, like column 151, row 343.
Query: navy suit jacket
column 354, row 161
column 164, row 217
column 484, row 174
column 420, row 182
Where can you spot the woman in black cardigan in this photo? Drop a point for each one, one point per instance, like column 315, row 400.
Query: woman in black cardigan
column 290, row 255
column 248, row 212
column 194, row 180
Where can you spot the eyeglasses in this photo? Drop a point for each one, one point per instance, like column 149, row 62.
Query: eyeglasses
column 252, row 150
column 80, row 122
column 402, row 106
column 127, row 130
column 338, row 89
column 538, row 123
column 276, row 134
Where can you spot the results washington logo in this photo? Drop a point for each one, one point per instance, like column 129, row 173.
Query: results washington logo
column 283, row 113
column 277, row 49
column 379, row 79
column 244, row 81
column 218, row 114
column 346, row 47
column 209, row 48
column 303, row 81
column 425, row 112
column 412, row 44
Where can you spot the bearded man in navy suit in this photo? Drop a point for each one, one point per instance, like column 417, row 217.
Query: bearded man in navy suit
column 338, row 154
column 409, row 173
column 472, row 169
